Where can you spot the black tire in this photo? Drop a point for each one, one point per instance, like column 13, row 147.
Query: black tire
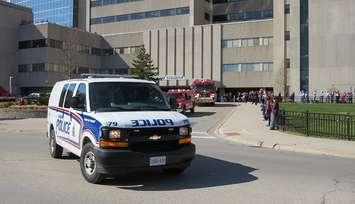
column 88, row 165
column 55, row 150
column 175, row 171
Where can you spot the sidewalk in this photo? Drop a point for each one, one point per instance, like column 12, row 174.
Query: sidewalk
column 245, row 125
column 32, row 125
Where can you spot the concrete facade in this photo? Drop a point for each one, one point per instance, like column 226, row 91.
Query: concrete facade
column 242, row 55
column 184, row 39
column 139, row 24
column 76, row 53
column 12, row 16
column 331, row 44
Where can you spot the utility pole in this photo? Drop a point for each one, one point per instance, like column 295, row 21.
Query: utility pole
column 10, row 85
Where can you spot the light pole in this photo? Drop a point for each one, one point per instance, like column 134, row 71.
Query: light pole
column 10, row 85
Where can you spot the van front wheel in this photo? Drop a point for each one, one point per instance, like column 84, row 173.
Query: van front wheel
column 88, row 165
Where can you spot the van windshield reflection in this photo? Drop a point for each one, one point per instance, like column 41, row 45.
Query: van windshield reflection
column 123, row 96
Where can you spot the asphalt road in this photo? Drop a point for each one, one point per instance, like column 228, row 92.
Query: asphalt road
column 222, row 172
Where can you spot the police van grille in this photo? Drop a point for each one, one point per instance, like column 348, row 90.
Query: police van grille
column 140, row 139
column 151, row 147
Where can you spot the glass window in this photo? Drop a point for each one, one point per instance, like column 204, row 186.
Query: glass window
column 287, row 63
column 287, row 8
column 25, row 44
column 237, row 43
column 39, row 43
column 81, row 93
column 69, row 95
column 250, row 42
column 153, row 14
column 62, row 95
column 123, row 17
column 94, row 21
column 231, row 68
column 258, row 67
column 136, row 16
column 39, row 67
column 24, row 68
column 108, row 19
column 287, row 35
column 126, row 50
column 117, row 96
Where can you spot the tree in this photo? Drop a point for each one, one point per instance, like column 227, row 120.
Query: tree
column 143, row 66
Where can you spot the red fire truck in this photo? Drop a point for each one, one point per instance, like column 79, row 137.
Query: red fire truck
column 204, row 91
column 181, row 100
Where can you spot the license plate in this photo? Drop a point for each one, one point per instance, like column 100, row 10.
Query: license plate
column 157, row 161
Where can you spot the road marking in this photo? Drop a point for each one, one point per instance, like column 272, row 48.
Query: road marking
column 202, row 135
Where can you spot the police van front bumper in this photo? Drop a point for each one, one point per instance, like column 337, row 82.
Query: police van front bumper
column 114, row 161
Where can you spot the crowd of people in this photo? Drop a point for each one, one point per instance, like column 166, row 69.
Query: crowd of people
column 303, row 97
column 269, row 103
column 327, row 97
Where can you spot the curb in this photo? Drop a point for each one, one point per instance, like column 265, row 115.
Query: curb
column 215, row 129
column 280, row 147
column 273, row 146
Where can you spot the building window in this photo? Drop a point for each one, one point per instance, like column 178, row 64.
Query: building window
column 96, row 51
column 247, row 42
column 25, row 44
column 287, row 8
column 39, row 67
column 243, row 16
column 287, row 63
column 96, row 3
column 141, row 15
column 24, row 68
column 304, row 45
column 39, row 43
column 207, row 17
column 231, row 68
column 287, row 35
column 248, row 67
column 56, row 44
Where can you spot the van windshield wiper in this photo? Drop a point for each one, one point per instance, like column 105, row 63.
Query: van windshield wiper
column 150, row 107
column 111, row 109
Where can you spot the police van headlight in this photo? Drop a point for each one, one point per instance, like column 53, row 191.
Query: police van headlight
column 184, row 131
column 185, row 135
column 108, row 133
column 112, row 139
column 114, row 134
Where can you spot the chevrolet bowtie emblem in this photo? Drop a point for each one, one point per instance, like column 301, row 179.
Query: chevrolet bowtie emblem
column 155, row 137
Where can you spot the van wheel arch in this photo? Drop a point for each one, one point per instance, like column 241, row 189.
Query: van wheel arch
column 85, row 141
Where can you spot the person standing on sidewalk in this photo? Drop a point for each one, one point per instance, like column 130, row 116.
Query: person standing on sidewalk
column 274, row 113
column 268, row 110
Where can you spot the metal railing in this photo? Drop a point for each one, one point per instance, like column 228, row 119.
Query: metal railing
column 338, row 126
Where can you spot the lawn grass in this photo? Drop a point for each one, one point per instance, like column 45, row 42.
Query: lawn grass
column 324, row 120
column 320, row 108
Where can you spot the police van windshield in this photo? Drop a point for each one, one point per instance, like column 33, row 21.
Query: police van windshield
column 121, row 96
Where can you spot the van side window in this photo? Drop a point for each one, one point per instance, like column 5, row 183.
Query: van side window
column 62, row 95
column 81, row 93
column 69, row 95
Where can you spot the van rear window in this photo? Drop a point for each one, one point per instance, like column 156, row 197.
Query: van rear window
column 69, row 95
column 62, row 95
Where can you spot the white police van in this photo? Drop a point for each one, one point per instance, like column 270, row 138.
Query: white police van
column 116, row 125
